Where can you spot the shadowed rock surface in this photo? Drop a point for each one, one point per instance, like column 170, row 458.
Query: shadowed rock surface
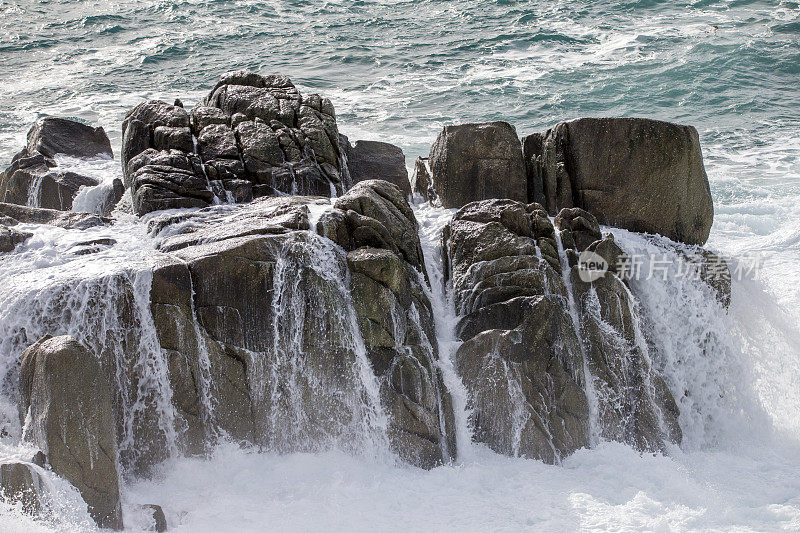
column 34, row 178
column 66, row 398
column 633, row 173
column 21, row 484
column 477, row 161
column 368, row 160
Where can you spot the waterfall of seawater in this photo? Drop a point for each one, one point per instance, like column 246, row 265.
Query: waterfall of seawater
column 312, row 396
column 316, row 388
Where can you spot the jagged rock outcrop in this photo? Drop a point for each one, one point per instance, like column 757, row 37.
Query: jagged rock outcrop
column 531, row 333
column 260, row 319
column 252, row 136
column 374, row 160
column 633, row 173
column 375, row 224
column 521, row 361
column 472, row 162
column 34, row 178
column 21, row 484
column 65, row 406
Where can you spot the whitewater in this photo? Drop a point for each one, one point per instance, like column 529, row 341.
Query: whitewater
column 398, row 71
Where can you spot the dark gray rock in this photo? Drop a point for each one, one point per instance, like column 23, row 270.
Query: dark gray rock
column 10, row 238
column 378, row 160
column 34, row 179
column 579, row 229
column 159, row 519
column 523, row 357
column 639, row 174
column 166, row 180
column 63, row 219
column 376, row 214
column 66, row 398
column 375, row 224
column 421, row 181
column 51, row 135
column 254, row 136
column 472, row 162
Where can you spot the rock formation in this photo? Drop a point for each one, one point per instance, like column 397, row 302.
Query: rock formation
column 65, row 406
column 639, row 174
column 22, row 484
column 375, row 224
column 477, row 161
column 251, row 136
column 538, row 341
column 34, row 178
column 367, row 160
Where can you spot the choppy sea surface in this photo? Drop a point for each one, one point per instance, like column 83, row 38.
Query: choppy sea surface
column 398, row 71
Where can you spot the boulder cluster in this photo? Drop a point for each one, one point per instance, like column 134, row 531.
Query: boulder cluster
column 264, row 314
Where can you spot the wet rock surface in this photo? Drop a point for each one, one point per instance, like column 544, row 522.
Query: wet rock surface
column 375, row 224
column 633, row 173
column 35, row 179
column 65, row 398
column 539, row 340
column 21, row 484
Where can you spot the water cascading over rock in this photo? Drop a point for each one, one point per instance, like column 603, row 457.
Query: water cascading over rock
column 550, row 364
column 34, row 177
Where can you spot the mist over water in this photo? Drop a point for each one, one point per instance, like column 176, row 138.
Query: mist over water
column 398, row 71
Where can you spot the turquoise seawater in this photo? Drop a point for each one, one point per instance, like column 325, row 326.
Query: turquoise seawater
column 399, row 70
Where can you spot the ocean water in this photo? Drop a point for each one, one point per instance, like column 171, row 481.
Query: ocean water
column 398, row 71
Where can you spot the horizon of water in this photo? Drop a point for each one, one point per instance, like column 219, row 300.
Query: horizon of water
column 398, row 71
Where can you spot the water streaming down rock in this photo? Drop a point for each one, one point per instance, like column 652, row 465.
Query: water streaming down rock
column 551, row 363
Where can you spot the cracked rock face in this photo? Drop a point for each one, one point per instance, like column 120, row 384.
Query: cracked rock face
column 251, row 136
column 540, row 345
column 375, row 224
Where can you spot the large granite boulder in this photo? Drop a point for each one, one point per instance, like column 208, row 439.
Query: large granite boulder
column 21, row 484
column 472, row 162
column 65, row 405
column 367, row 160
column 52, row 135
column 251, row 136
column 539, row 343
column 34, row 178
column 270, row 332
column 639, row 174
